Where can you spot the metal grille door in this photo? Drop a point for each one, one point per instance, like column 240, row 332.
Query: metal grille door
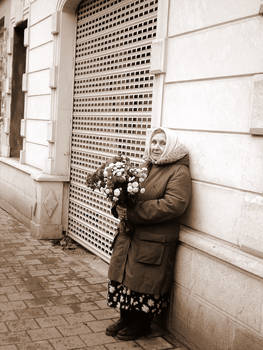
column 112, row 105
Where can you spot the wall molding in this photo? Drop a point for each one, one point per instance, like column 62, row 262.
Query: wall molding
column 159, row 62
column 256, row 117
column 35, row 174
column 222, row 250
column 159, row 47
column 55, row 23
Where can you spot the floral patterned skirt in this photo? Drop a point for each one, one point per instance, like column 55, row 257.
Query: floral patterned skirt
column 121, row 297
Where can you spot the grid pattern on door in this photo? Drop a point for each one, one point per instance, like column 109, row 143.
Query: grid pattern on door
column 112, row 105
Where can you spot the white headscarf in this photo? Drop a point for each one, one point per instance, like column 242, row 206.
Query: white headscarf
column 173, row 150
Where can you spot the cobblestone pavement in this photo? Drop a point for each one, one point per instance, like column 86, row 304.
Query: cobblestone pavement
column 51, row 299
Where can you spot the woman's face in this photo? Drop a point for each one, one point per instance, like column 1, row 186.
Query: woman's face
column 158, row 143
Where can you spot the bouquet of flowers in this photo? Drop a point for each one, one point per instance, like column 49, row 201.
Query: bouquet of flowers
column 120, row 182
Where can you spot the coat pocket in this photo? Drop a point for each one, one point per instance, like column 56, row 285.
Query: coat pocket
column 150, row 253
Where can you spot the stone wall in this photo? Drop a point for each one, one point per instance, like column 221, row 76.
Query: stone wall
column 38, row 85
column 5, row 59
column 214, row 56
column 31, row 188
column 207, row 87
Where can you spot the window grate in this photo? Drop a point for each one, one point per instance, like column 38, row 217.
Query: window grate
column 112, row 105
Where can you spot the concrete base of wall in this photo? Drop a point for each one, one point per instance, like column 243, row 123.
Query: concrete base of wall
column 34, row 199
column 14, row 212
column 42, row 231
column 217, row 296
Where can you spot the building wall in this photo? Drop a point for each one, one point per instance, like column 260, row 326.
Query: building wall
column 208, row 88
column 39, row 93
column 32, row 189
column 5, row 101
column 213, row 57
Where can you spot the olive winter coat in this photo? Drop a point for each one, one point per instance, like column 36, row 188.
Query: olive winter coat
column 144, row 262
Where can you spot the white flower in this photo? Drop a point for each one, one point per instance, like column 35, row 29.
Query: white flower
column 150, row 302
column 117, row 192
column 135, row 184
column 115, row 199
column 142, row 190
column 111, row 289
column 130, row 189
column 141, row 179
column 119, row 173
column 135, row 189
column 145, row 308
column 107, row 191
column 105, row 173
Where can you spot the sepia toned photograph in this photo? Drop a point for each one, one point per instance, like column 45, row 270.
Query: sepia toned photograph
column 131, row 174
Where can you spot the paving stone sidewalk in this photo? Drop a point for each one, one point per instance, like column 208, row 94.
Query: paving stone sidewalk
column 51, row 299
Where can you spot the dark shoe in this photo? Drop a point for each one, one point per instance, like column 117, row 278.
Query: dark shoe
column 133, row 332
column 123, row 322
column 114, row 328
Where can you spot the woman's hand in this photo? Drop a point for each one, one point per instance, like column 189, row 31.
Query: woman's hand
column 122, row 212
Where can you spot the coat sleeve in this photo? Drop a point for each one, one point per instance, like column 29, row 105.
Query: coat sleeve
column 173, row 203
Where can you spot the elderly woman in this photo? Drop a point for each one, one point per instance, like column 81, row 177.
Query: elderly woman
column 141, row 267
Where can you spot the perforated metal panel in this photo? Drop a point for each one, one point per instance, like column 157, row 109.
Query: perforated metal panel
column 112, row 105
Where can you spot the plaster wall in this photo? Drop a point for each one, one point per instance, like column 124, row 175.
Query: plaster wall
column 214, row 304
column 51, row 35
column 50, row 67
column 32, row 197
column 5, row 10
column 37, row 192
column 18, row 192
column 213, row 57
column 40, row 61
column 213, row 54
column 5, row 98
